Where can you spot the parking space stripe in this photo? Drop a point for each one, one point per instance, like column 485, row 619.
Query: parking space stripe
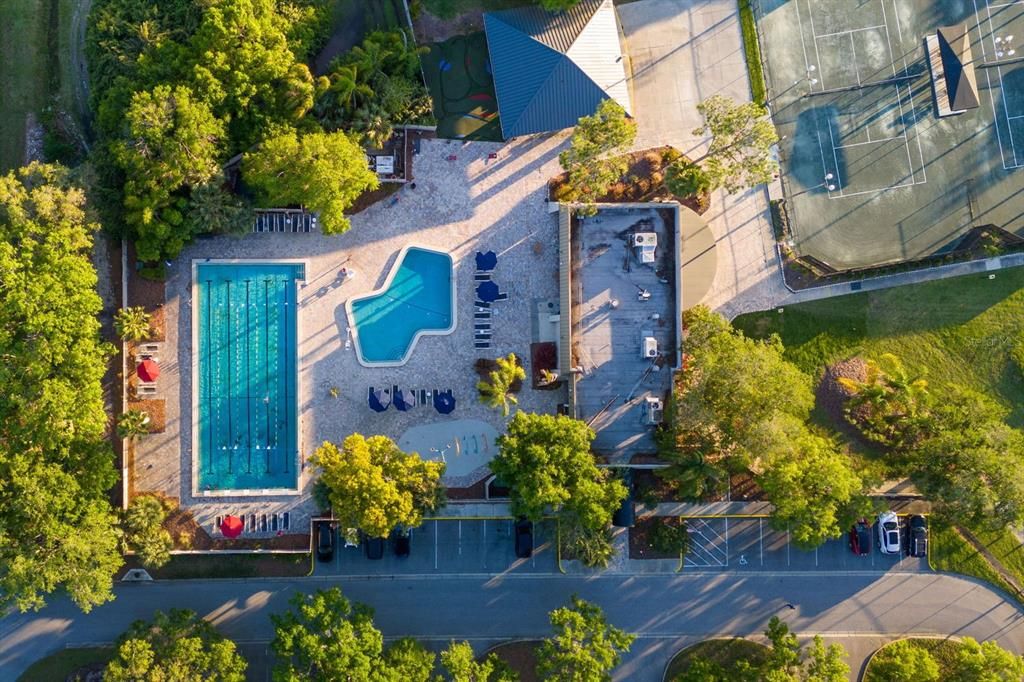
column 726, row 541
column 435, row 545
column 760, row 538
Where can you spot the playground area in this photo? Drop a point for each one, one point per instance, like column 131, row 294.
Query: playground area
column 458, row 74
column 871, row 174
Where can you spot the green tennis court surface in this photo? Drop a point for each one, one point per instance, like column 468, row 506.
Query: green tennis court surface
column 458, row 75
column 871, row 174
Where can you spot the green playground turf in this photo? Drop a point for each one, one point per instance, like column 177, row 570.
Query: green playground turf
column 458, row 76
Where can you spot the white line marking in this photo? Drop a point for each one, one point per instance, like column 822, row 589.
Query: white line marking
column 917, row 134
column 460, row 537
column 803, row 43
column 435, row 544
column 850, row 31
column 1006, row 112
column 981, row 31
column 760, row 533
column 885, row 19
column 876, row 190
column 787, row 546
column 875, row 141
column 995, row 119
column 815, row 557
column 726, row 540
column 903, row 121
column 839, row 179
column 817, row 54
column 856, row 67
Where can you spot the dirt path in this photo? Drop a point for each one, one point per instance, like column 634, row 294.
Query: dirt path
column 79, row 68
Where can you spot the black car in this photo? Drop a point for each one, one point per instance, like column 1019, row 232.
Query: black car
column 524, row 539
column 324, row 542
column 860, row 537
column 400, row 541
column 374, row 548
column 918, row 540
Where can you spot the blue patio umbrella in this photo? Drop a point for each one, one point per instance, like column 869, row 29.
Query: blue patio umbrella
column 373, row 399
column 487, row 291
column 486, row 261
column 399, row 400
column 444, row 402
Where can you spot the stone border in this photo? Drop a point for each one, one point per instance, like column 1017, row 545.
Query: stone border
column 399, row 261
column 194, row 362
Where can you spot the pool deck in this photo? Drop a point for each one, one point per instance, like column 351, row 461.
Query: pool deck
column 471, row 203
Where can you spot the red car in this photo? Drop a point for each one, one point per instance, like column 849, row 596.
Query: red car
column 860, row 537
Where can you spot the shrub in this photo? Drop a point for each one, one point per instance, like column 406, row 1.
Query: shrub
column 132, row 324
column 592, row 547
column 687, row 179
column 669, row 536
column 145, row 533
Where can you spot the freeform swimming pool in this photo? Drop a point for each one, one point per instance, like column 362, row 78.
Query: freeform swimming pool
column 245, row 377
column 417, row 299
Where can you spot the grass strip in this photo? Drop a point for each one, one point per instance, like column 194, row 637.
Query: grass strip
column 198, row 566
column 59, row 665
column 950, row 551
column 752, row 50
column 942, row 650
column 725, row 652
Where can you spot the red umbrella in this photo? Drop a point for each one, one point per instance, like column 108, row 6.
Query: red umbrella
column 148, row 370
column 232, row 526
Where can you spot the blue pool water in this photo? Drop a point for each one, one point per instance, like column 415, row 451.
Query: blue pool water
column 418, row 299
column 246, row 375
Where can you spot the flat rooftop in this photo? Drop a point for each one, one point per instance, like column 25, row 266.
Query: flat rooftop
column 617, row 302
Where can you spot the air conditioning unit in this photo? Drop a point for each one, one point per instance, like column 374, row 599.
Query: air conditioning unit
column 648, row 346
column 654, row 411
column 644, row 245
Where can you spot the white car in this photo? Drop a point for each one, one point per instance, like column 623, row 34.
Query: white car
column 889, row 533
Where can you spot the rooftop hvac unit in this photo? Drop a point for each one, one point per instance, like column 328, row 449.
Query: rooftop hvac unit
column 644, row 245
column 648, row 346
column 654, row 411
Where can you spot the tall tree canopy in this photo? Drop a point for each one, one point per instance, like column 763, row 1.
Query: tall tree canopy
column 178, row 645
column 374, row 486
column 323, row 171
column 739, row 154
column 585, row 647
column 594, row 158
column 546, row 461
column 57, row 528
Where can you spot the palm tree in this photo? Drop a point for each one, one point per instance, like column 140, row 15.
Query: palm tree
column 498, row 392
column 132, row 324
column 889, row 405
column 132, row 424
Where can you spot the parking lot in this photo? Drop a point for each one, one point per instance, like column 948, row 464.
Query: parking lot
column 750, row 544
column 452, row 546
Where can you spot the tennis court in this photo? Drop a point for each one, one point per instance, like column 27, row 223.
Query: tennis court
column 871, row 173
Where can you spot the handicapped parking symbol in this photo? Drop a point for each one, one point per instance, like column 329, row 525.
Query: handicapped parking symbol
column 743, row 559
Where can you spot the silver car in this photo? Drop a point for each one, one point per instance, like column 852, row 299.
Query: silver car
column 889, row 533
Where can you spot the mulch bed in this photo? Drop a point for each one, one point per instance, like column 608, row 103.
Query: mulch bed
column 155, row 410
column 644, row 180
column 387, row 189
column 639, row 543
column 521, row 657
column 744, row 489
column 149, row 294
column 544, row 356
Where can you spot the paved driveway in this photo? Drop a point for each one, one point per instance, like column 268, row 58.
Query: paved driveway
column 682, row 52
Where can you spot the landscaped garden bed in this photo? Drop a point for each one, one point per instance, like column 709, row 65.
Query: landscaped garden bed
column 943, row 651
column 199, row 566
column 188, row 534
column 725, row 652
column 521, row 657
column 644, row 541
column 643, row 181
column 78, row 663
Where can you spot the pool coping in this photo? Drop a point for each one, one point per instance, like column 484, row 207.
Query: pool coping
column 354, row 329
column 194, row 361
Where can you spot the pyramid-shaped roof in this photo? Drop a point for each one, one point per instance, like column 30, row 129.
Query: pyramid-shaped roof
column 955, row 49
column 552, row 68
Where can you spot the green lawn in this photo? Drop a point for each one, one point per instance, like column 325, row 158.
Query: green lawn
column 942, row 650
column 35, row 65
column 1005, row 547
column 59, row 665
column 725, row 652
column 185, row 566
column 949, row 551
column 449, row 9
column 953, row 331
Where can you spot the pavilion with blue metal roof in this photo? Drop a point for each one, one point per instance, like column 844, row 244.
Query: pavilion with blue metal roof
column 552, row 68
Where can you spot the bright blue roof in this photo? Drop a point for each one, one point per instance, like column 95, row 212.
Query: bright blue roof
column 538, row 86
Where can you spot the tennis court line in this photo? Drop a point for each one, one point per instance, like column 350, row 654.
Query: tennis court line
column 877, row 141
column 852, row 30
column 1006, row 112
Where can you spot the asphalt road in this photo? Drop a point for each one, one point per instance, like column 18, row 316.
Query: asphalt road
column 666, row 612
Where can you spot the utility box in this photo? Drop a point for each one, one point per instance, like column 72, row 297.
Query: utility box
column 644, row 245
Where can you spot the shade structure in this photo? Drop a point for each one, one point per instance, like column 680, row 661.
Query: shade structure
column 375, row 400
column 232, row 526
column 486, row 261
column 487, row 291
column 148, row 370
column 444, row 402
column 401, row 404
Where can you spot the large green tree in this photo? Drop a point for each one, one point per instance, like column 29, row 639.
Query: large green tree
column 739, row 152
column 985, row 662
column 374, row 486
column 179, row 646
column 326, row 638
column 814, row 490
column 585, row 647
column 594, row 159
column 546, row 461
column 325, row 172
column 57, row 527
column 461, row 665
column 903, row 661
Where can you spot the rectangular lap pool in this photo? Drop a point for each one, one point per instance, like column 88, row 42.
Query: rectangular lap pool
column 245, row 377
